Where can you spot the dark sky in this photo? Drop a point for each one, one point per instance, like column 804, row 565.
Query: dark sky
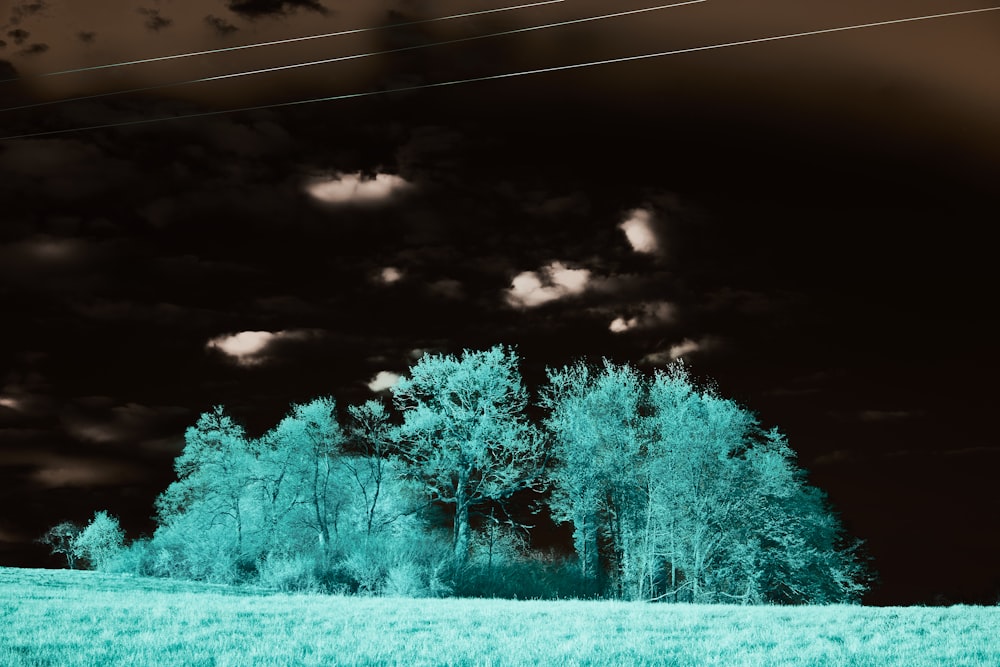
column 808, row 221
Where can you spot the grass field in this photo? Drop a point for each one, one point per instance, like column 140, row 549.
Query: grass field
column 61, row 617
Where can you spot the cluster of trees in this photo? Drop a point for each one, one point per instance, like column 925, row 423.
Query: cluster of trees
column 673, row 493
column 98, row 544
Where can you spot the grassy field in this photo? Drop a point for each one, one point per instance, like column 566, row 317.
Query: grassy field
column 60, row 617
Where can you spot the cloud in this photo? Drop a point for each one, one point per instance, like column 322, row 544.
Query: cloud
column 884, row 415
column 552, row 282
column 220, row 25
column 34, row 49
column 65, row 471
column 249, row 348
column 46, row 262
column 9, row 535
column 684, row 348
column 390, row 275
column 383, row 380
column 355, row 189
column 259, row 8
column 18, row 35
column 97, row 419
column 86, row 36
column 638, row 228
column 651, row 315
column 835, row 457
column 61, row 168
column 25, row 9
column 446, row 287
column 154, row 21
column 575, row 203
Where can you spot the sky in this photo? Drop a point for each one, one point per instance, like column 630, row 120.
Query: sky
column 803, row 220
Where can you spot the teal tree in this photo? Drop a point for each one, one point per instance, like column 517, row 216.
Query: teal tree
column 100, row 542
column 677, row 493
column 61, row 538
column 596, row 426
column 465, row 435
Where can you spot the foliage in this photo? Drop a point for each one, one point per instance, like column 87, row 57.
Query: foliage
column 673, row 492
column 465, row 435
column 676, row 493
column 100, row 542
column 61, row 538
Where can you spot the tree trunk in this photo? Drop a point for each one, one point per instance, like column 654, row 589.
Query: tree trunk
column 461, row 527
column 461, row 530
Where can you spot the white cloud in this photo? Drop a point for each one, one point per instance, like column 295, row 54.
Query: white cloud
column 383, row 380
column 682, row 349
column 686, row 346
column 10, row 402
column 638, row 228
column 248, row 348
column 354, row 189
column 651, row 314
column 390, row 275
column 551, row 282
column 620, row 324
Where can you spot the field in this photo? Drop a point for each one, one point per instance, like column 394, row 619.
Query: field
column 61, row 617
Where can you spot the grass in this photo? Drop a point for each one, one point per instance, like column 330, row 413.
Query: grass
column 61, row 617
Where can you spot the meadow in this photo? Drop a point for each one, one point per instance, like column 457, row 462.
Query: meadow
column 68, row 618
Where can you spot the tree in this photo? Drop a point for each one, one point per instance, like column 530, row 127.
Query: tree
column 312, row 432
column 702, row 490
column 101, row 541
column 372, row 433
column 692, row 499
column 465, row 435
column 206, row 507
column 595, row 422
column 61, row 538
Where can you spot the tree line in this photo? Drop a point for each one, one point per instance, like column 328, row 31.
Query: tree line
column 672, row 492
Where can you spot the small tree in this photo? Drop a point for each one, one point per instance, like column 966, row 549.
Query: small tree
column 101, row 541
column 61, row 538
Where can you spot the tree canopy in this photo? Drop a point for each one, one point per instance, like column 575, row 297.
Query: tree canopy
column 672, row 492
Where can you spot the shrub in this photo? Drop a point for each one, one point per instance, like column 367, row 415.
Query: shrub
column 289, row 573
column 101, row 541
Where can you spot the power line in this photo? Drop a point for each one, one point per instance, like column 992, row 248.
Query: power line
column 257, row 45
column 509, row 75
column 326, row 61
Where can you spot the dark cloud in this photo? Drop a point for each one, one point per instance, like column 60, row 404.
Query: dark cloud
column 885, row 415
column 24, row 395
column 100, row 420
column 19, row 35
column 220, row 25
column 25, row 9
column 87, row 37
column 3, row 44
column 259, row 8
column 7, row 70
column 154, row 21
column 34, row 49
column 61, row 168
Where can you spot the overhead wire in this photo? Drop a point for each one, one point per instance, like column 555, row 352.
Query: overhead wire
column 355, row 56
column 507, row 75
column 289, row 40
